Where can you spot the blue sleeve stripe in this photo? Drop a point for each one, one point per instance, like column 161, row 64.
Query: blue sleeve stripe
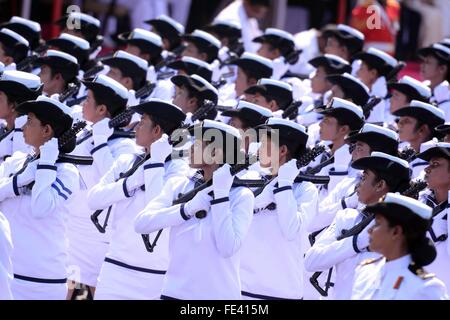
column 63, row 187
column 59, row 192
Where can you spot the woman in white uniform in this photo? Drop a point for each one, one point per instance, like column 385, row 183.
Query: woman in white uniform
column 207, row 232
column 399, row 234
column 37, row 211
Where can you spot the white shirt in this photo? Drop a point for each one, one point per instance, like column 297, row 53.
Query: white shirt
column 204, row 254
column 125, row 244
column 79, row 218
column 307, row 42
column 250, row 28
column 37, row 217
column 441, row 224
column 276, row 234
column 379, row 89
column 6, row 248
column 13, row 141
column 328, row 252
column 441, row 96
column 381, row 280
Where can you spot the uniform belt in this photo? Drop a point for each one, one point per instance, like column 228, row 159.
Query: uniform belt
column 39, row 280
column 124, row 265
column 263, row 297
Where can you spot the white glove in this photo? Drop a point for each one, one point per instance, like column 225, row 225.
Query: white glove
column 132, row 100
column 278, row 114
column 160, row 150
column 151, row 75
column 136, row 180
column 362, row 241
column 342, row 158
column 222, row 181
column 280, row 67
column 28, row 175
column 188, row 119
column 55, row 96
column 49, row 152
column 287, row 173
column 101, row 131
column 352, row 201
column 201, row 201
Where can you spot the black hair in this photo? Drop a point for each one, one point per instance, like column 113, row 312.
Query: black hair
column 192, row 93
column 17, row 55
column 234, row 155
column 251, row 74
column 167, row 126
column 67, row 76
column 58, row 131
column 394, row 183
column 419, row 246
column 103, row 98
column 352, row 48
column 419, row 124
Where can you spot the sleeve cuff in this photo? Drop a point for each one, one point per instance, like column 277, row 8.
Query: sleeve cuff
column 15, row 186
column 220, row 200
column 277, row 190
column 46, row 167
column 183, row 213
column 153, row 165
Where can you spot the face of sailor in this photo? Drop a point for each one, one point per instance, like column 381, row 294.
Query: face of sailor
column 319, row 82
column 271, row 154
column 183, row 100
column 191, row 50
column 116, row 74
column 267, row 51
column 6, row 107
column 367, row 75
column 242, row 82
column 53, row 83
column 262, row 101
column 329, row 128
column 398, row 100
column 91, row 110
column 5, row 59
column 370, row 189
column 430, row 69
column 382, row 236
column 361, row 150
column 203, row 153
column 136, row 51
column 334, row 47
column 407, row 130
column 147, row 132
column 437, row 174
column 34, row 133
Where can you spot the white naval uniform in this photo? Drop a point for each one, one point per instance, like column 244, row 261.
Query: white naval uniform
column 87, row 246
column 392, row 280
column 328, row 252
column 204, row 254
column 438, row 232
column 333, row 202
column 37, row 218
column 13, row 141
column 249, row 26
column 272, row 256
column 120, row 277
column 441, row 96
column 6, row 248
column 379, row 89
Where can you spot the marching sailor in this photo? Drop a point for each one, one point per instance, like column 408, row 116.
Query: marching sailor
column 399, row 234
column 36, row 193
column 207, row 232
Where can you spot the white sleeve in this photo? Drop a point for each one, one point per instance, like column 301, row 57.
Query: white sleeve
column 8, row 185
column 103, row 158
column 231, row 220
column 154, row 180
column 433, row 289
column 327, row 251
column 294, row 206
column 160, row 213
column 326, row 211
column 53, row 188
column 109, row 191
column 6, row 273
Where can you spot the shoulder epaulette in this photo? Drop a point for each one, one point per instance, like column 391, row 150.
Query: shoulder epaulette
column 423, row 274
column 369, row 261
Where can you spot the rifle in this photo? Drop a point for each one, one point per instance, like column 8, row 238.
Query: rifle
column 29, row 61
column 72, row 88
column 303, row 161
column 292, row 110
column 368, row 107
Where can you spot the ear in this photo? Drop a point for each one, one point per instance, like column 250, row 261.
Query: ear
column 58, row 77
column 102, row 110
column 127, row 82
column 273, row 105
column 193, row 102
column 8, row 60
column 344, row 129
column 283, row 151
column 145, row 56
column 373, row 74
column 47, row 132
column 381, row 186
column 251, row 81
column 397, row 231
